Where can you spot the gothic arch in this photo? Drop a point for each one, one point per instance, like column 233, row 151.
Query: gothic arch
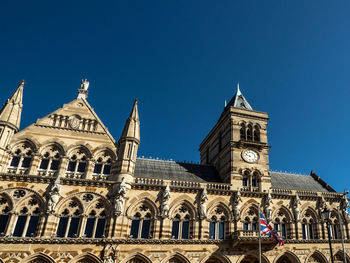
column 65, row 200
column 86, row 149
column 137, row 258
column 181, row 258
column 41, row 257
column 30, row 191
column 215, row 258
column 58, row 141
column 99, row 199
column 131, row 209
column 339, row 256
column 311, row 211
column 316, row 255
column 214, row 204
column 289, row 256
column 283, row 208
column 101, row 149
column 52, row 143
column 86, row 258
column 190, row 207
column 31, row 142
column 8, row 198
column 248, row 205
column 252, row 256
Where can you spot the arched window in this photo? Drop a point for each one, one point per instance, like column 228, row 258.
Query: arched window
column 243, row 132
column 250, row 132
column 28, row 219
column 95, row 224
column 255, row 179
column 142, row 223
column 256, row 134
column 50, row 161
column 246, row 176
column 21, row 159
column 282, row 224
column 102, row 167
column 217, row 228
column 309, row 226
column 5, row 209
column 182, row 223
column 334, row 226
column 77, row 164
column 250, row 222
column 70, row 220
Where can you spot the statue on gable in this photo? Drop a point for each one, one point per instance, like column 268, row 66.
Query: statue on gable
column 295, row 205
column 165, row 201
column 321, row 204
column 267, row 206
column 202, row 203
column 53, row 195
column 84, row 84
column 236, row 201
column 120, row 191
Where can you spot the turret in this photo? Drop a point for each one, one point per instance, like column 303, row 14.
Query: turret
column 128, row 145
column 10, row 118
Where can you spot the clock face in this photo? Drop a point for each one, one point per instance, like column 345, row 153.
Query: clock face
column 250, row 156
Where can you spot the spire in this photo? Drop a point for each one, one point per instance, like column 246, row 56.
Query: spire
column 239, row 101
column 83, row 91
column 132, row 125
column 12, row 109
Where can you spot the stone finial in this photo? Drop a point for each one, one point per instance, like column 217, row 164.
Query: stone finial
column 83, row 91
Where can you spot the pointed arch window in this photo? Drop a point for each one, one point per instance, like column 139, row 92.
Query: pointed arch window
column 4, row 215
column 182, row 224
column 70, row 220
column 141, row 226
column 250, row 222
column 250, row 132
column 21, row 159
column 50, row 161
column 245, row 178
column 309, row 226
column 95, row 224
column 102, row 167
column 216, row 228
column 243, row 132
column 28, row 220
column 256, row 134
column 77, row 165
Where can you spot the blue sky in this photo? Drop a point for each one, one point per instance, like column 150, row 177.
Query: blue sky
column 182, row 59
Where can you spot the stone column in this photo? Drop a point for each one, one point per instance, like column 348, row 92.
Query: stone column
column 63, row 166
column 89, row 169
column 34, row 165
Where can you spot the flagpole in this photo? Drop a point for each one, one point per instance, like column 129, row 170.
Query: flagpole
column 259, row 233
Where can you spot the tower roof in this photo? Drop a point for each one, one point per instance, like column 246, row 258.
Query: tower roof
column 132, row 125
column 12, row 109
column 239, row 101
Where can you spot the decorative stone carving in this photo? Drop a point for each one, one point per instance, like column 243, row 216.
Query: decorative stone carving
column 295, row 203
column 235, row 204
column 53, row 195
column 74, row 122
column 84, row 84
column 165, row 201
column 267, row 206
column 344, row 204
column 119, row 192
column 202, row 204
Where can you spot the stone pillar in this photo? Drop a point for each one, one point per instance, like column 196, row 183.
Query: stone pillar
column 34, row 165
column 49, row 225
column 63, row 166
column 89, row 169
column 166, row 228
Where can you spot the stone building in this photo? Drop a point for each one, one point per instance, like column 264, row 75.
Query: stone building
column 70, row 193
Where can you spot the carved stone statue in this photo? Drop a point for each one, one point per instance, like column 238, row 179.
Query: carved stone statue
column 109, row 260
column 53, row 195
column 321, row 204
column 267, row 205
column 165, row 201
column 119, row 196
column 84, row 84
column 295, row 205
column 202, row 205
column 236, row 201
column 344, row 205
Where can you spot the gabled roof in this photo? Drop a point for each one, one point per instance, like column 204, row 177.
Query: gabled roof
column 239, row 101
column 170, row 170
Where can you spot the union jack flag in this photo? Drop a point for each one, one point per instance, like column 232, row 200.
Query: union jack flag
column 266, row 229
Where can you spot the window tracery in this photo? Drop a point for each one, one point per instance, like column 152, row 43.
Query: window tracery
column 21, row 159
column 309, row 225
column 250, row 132
column 28, row 218
column 182, row 223
column 334, row 226
column 76, row 167
column 96, row 221
column 50, row 161
column 142, row 223
column 103, row 166
column 5, row 213
column 250, row 221
column 70, row 219
column 251, row 180
column 282, row 223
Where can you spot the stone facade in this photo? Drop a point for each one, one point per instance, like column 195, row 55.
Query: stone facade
column 70, row 193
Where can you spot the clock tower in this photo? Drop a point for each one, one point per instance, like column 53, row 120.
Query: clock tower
column 237, row 146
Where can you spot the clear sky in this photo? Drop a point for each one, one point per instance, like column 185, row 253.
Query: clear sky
column 182, row 59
